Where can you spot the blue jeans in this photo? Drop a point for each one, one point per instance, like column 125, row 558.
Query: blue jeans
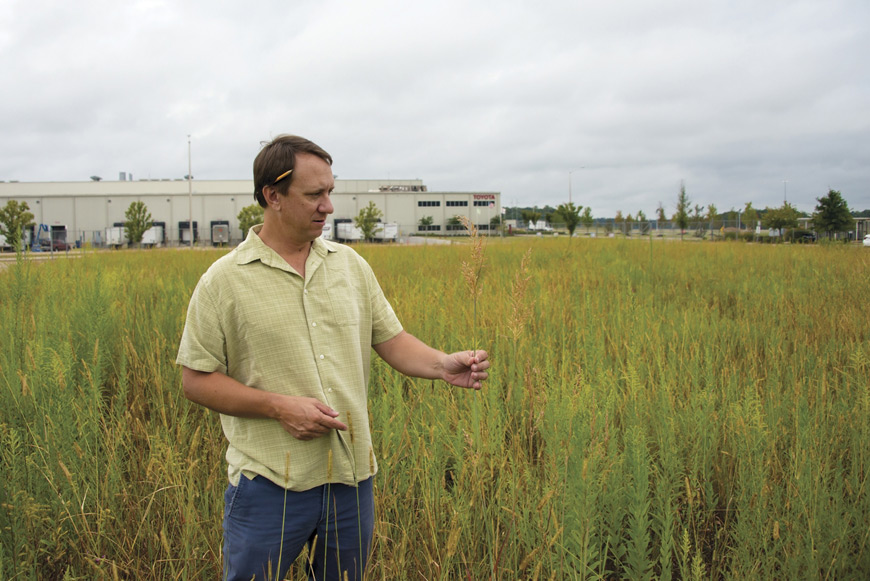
column 266, row 527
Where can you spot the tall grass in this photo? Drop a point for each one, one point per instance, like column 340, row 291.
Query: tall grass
column 678, row 411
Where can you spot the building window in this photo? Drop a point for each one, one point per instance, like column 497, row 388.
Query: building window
column 429, row 228
column 483, row 203
column 428, row 203
column 455, row 203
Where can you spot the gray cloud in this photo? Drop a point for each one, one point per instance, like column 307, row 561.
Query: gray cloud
column 732, row 97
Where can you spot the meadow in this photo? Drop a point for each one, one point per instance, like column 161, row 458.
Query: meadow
column 656, row 410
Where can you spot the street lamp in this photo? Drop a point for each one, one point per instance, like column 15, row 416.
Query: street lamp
column 189, row 177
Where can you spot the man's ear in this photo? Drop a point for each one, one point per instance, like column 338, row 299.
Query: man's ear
column 272, row 197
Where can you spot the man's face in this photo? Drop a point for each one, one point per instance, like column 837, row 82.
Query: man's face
column 303, row 211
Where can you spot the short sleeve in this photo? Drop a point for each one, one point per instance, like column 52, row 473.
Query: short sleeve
column 385, row 323
column 203, row 342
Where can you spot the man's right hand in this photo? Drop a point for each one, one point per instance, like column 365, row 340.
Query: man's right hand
column 306, row 418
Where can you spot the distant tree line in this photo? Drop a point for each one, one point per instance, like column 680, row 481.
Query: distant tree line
column 831, row 215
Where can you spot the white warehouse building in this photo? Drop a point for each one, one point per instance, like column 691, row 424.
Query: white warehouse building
column 82, row 212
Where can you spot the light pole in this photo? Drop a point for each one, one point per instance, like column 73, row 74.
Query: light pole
column 785, row 191
column 569, row 181
column 189, row 194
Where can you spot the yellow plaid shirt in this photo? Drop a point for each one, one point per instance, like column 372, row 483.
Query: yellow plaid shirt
column 253, row 318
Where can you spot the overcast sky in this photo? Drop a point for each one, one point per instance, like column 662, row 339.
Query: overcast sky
column 743, row 100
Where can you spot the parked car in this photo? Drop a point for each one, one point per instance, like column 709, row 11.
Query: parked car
column 55, row 245
column 867, row 240
column 805, row 237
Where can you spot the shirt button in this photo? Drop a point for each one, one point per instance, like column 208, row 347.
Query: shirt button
column 321, row 356
column 313, row 324
column 305, row 291
column 329, row 390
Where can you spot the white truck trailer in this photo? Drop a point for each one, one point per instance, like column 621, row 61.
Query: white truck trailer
column 347, row 232
column 116, row 236
column 153, row 236
column 387, row 232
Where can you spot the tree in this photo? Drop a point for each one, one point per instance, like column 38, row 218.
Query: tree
column 732, row 215
column 750, row 216
column 530, row 217
column 660, row 214
column 425, row 222
column 642, row 222
column 367, row 221
column 711, row 218
column 697, row 215
column 712, row 214
column 781, row 218
column 682, row 216
column 495, row 223
column 570, row 215
column 629, row 224
column 587, row 218
column 138, row 220
column 618, row 221
column 250, row 216
column 14, row 218
column 832, row 214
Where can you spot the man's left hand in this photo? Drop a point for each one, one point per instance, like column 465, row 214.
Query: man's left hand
column 466, row 368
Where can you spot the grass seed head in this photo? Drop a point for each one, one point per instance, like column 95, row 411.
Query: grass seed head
column 473, row 268
column 521, row 310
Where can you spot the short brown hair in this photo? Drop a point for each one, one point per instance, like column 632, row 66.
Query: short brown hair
column 276, row 158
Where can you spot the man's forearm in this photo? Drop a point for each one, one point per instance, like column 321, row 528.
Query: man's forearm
column 224, row 394
column 410, row 356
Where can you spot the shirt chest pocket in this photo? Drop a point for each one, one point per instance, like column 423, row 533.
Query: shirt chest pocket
column 346, row 302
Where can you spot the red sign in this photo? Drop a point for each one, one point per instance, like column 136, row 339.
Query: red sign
column 484, row 196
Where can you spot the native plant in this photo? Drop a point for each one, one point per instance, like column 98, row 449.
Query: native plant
column 472, row 270
column 677, row 420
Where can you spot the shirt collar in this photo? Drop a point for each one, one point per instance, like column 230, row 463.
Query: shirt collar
column 253, row 248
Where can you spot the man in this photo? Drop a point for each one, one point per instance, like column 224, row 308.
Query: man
column 277, row 339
